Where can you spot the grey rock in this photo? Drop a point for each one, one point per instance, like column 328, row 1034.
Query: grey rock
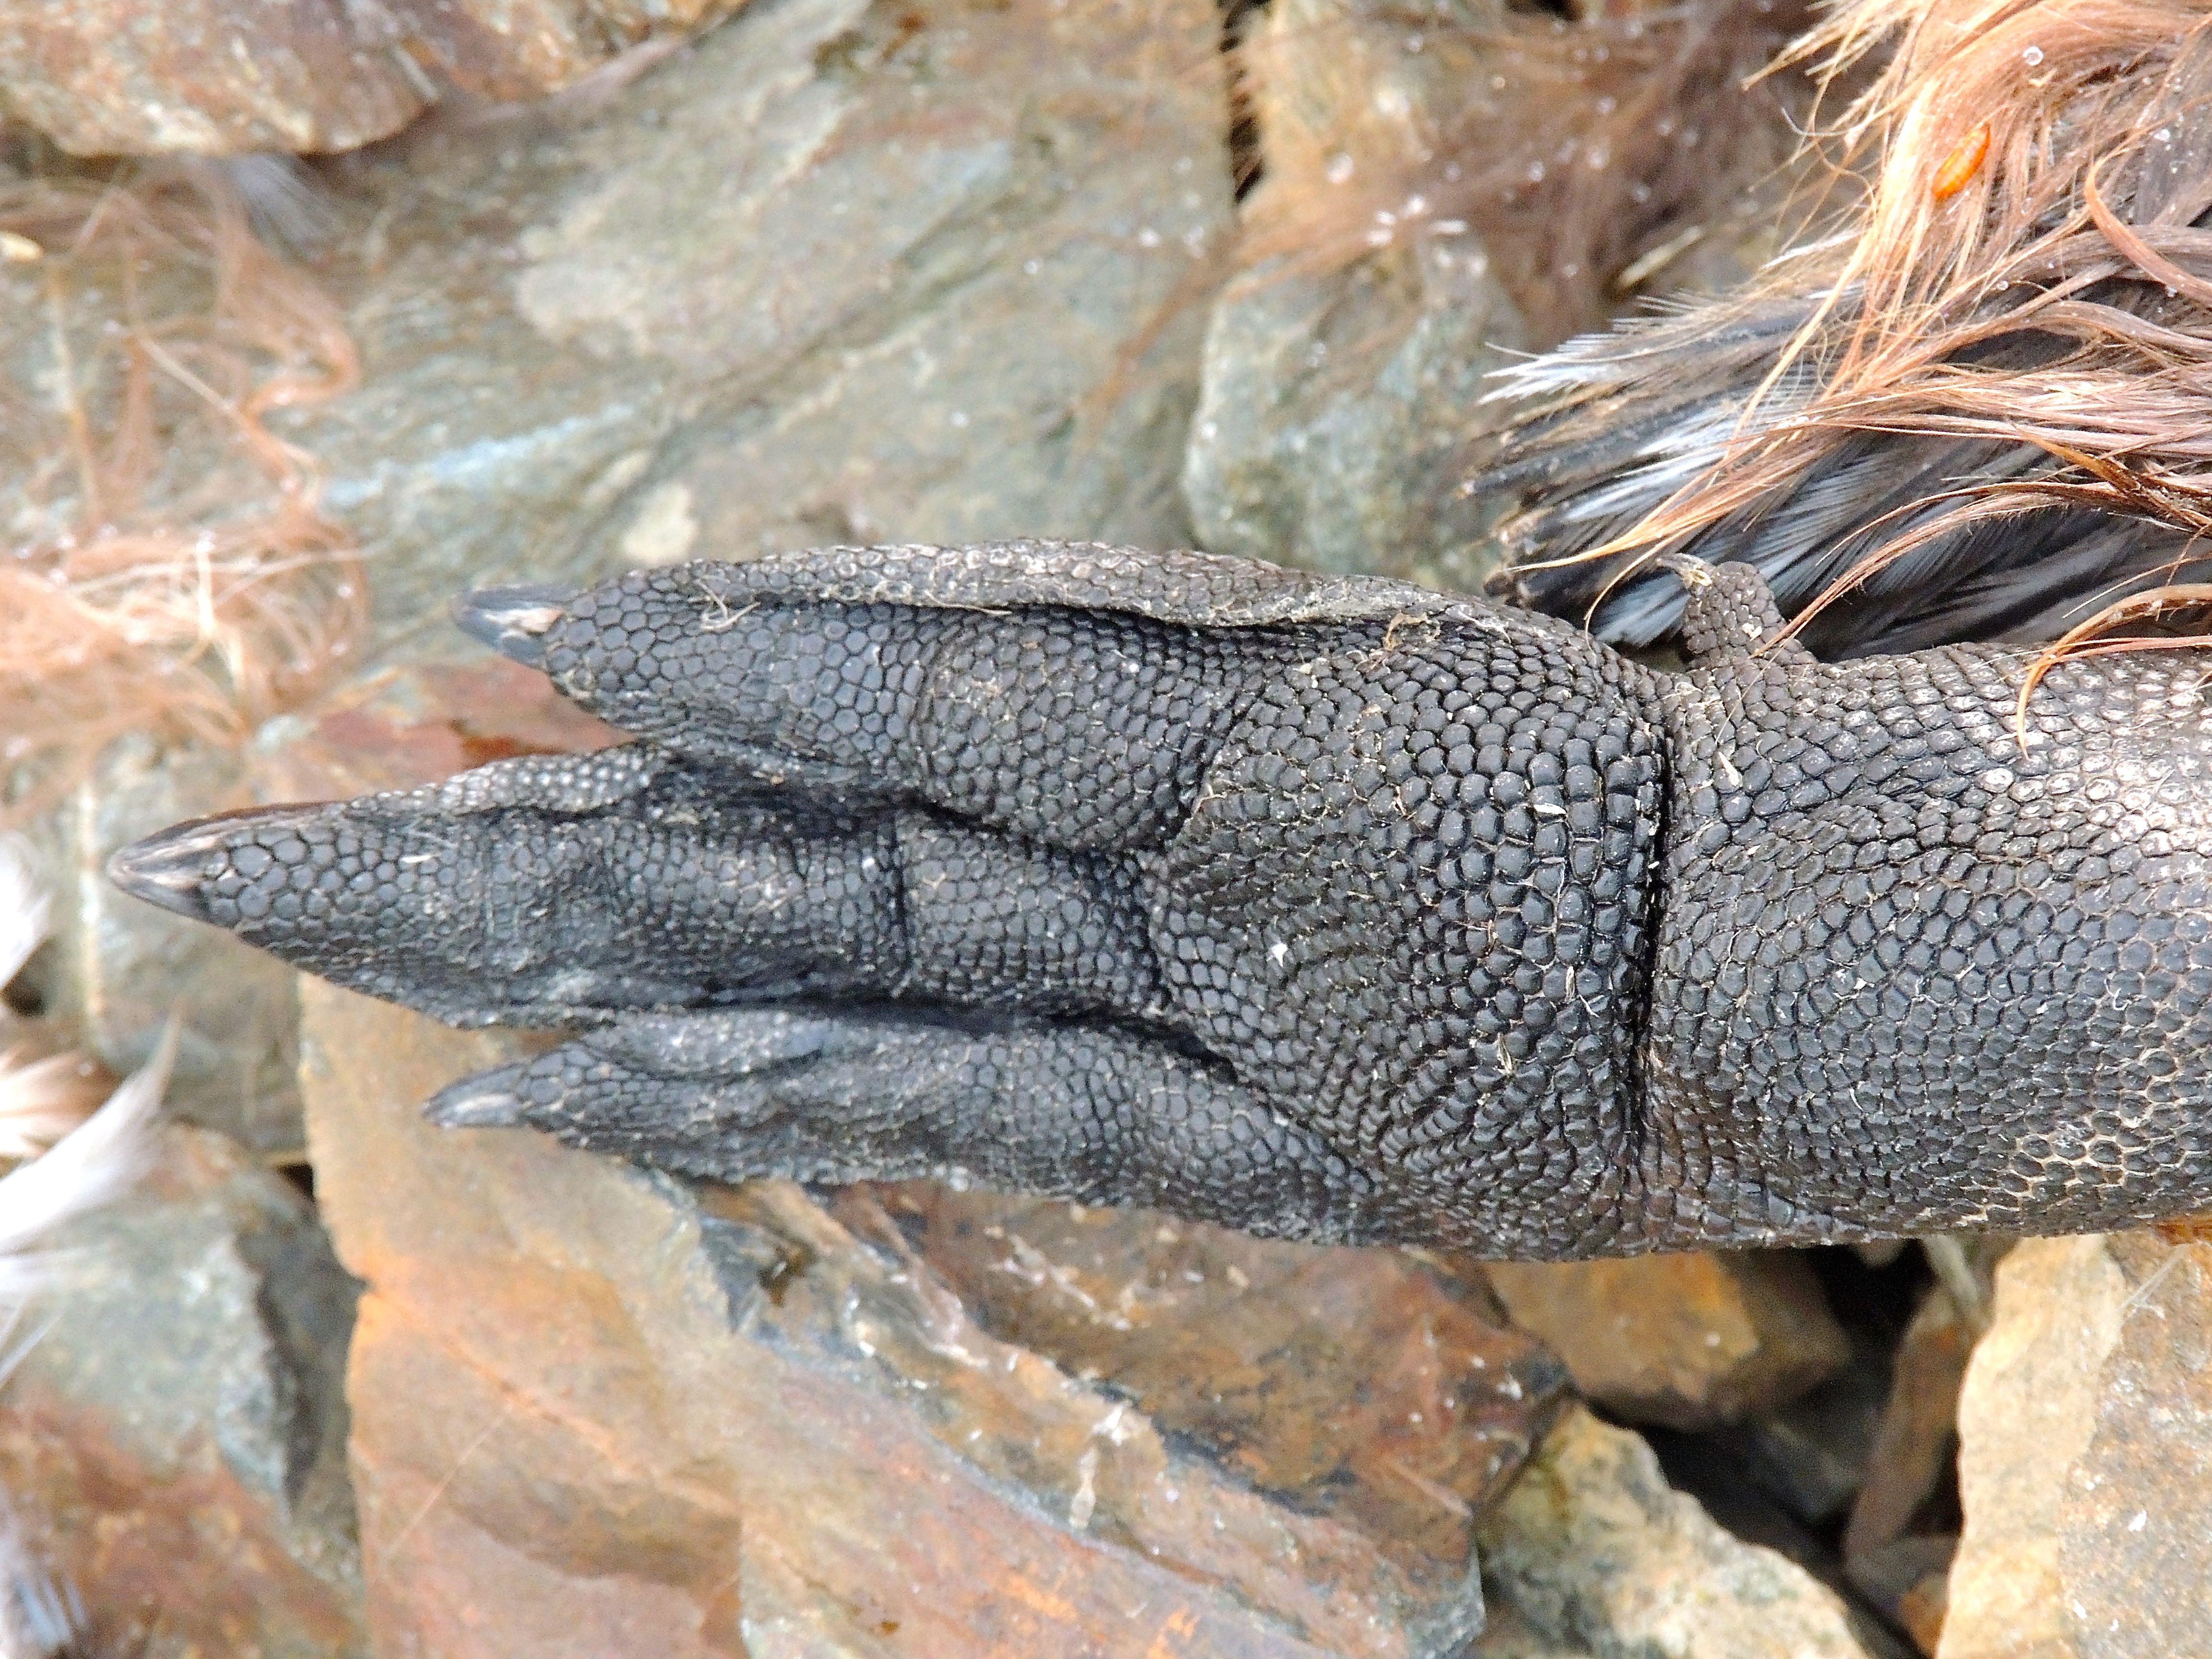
column 230, row 77
column 837, row 272
column 1334, row 406
column 1593, row 1547
column 1338, row 392
column 175, row 1440
column 120, row 970
column 2135, row 1549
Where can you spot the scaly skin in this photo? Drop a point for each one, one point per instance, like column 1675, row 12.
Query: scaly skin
column 1326, row 909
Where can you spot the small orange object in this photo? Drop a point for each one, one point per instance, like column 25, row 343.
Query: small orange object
column 1964, row 162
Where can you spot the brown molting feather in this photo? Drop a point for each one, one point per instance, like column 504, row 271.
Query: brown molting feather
column 1969, row 412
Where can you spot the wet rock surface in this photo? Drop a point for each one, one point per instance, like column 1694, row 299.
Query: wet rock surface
column 174, row 1443
column 2086, row 1456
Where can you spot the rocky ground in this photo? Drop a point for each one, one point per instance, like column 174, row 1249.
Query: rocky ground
column 835, row 270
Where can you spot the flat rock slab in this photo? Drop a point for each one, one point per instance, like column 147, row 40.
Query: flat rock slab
column 596, row 1411
column 1369, row 1385
column 2086, row 1456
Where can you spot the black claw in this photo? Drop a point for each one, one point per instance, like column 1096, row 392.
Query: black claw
column 166, row 869
column 512, row 621
column 486, row 1100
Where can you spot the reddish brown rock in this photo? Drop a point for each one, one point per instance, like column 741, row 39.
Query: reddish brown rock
column 209, row 77
column 2026, row 1412
column 229, row 77
column 1906, row 1573
column 595, row 1412
column 418, row 726
column 1685, row 1342
column 1368, row 1385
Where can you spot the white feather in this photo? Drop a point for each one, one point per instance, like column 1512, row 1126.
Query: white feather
column 40, row 1615
column 25, row 912
column 92, row 1164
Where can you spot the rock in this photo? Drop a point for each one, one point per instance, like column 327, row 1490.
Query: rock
column 418, row 725
column 2026, row 1412
column 1509, row 1635
column 838, row 272
column 1810, row 1455
column 1909, row 1579
column 121, row 970
column 212, row 77
column 1335, row 407
column 174, row 1441
column 2136, row 1535
column 1916, row 1442
column 1369, row 1385
column 229, row 77
column 597, row 1411
column 2086, row 1456
column 1687, row 1341
column 1338, row 392
column 1593, row 1547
